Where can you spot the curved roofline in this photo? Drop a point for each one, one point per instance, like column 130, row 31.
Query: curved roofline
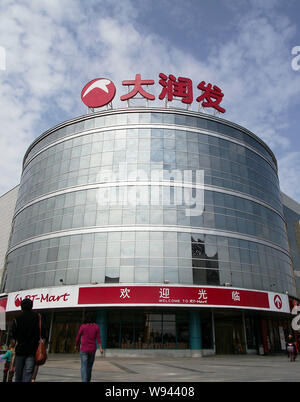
column 149, row 109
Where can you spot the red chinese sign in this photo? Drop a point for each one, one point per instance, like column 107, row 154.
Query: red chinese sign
column 212, row 96
column 182, row 88
column 138, row 88
column 100, row 92
column 148, row 295
column 173, row 295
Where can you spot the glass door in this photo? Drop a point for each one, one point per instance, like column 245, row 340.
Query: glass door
column 65, row 329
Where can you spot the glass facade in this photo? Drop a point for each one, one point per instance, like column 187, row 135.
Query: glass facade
column 148, row 257
column 90, row 205
column 136, row 329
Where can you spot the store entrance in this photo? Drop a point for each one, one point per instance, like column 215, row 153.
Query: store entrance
column 65, row 329
column 229, row 333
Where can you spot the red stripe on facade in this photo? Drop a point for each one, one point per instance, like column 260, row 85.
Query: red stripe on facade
column 163, row 295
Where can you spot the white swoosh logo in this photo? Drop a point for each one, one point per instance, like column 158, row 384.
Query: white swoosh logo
column 102, row 84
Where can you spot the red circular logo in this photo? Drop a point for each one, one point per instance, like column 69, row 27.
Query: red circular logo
column 18, row 300
column 98, row 92
column 278, row 301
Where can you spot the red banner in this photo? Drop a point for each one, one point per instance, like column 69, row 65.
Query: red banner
column 173, row 295
column 147, row 295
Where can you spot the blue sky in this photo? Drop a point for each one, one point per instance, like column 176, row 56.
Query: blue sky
column 54, row 47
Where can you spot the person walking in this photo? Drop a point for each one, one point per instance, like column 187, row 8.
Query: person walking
column 88, row 334
column 26, row 335
column 291, row 348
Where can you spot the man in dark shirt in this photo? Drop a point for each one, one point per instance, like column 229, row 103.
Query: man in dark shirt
column 25, row 332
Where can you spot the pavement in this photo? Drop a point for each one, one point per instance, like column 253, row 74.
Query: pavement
column 250, row 368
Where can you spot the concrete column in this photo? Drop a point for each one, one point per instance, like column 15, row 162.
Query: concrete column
column 195, row 330
column 101, row 320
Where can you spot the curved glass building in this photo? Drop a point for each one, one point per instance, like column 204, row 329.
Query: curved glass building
column 154, row 198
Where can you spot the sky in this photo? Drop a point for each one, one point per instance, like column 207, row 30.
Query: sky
column 49, row 49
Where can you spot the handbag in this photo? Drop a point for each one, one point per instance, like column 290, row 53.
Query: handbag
column 41, row 352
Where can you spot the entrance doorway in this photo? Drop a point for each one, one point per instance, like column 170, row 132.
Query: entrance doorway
column 65, row 329
column 229, row 333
